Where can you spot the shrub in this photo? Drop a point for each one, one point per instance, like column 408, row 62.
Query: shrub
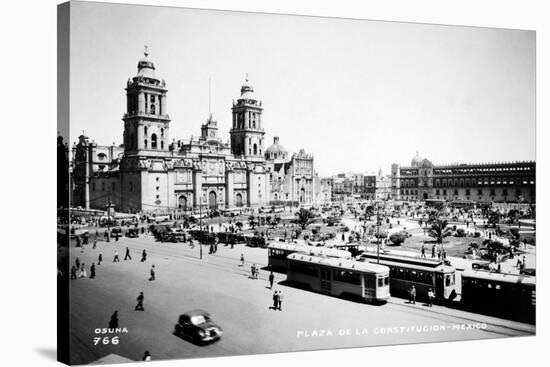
column 398, row 238
column 460, row 233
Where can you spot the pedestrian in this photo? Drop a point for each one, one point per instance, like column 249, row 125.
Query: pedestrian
column 73, row 272
column 518, row 263
column 127, row 256
column 423, row 251
column 95, row 243
column 271, row 279
column 431, row 297
column 242, row 259
column 116, row 259
column 146, row 356
column 412, row 295
column 99, row 259
column 77, row 263
column 152, row 273
column 280, row 299
column 253, row 270
column 275, row 300
column 82, row 271
column 433, row 251
column 523, row 261
column 113, row 323
column 139, row 306
column 92, row 271
column 143, row 256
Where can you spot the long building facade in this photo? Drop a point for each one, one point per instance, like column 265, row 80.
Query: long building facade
column 511, row 182
column 151, row 172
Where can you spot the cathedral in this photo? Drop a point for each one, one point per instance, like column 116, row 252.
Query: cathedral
column 150, row 172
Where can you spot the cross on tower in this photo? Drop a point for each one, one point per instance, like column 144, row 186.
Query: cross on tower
column 146, row 53
column 246, row 77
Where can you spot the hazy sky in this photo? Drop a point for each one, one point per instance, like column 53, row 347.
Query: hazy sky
column 356, row 94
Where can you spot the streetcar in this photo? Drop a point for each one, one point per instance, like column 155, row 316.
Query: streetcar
column 506, row 295
column 424, row 274
column 278, row 252
column 340, row 277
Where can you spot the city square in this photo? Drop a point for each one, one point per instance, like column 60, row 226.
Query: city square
column 298, row 218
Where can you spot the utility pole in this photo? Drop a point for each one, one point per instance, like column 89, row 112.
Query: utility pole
column 377, row 233
column 200, row 225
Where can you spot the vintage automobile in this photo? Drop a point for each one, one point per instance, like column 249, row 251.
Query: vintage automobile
column 197, row 326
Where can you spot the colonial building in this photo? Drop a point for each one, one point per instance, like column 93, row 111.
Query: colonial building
column 151, row 172
column 482, row 182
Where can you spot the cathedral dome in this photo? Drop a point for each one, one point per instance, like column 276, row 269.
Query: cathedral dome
column 416, row 160
column 247, row 92
column 276, row 150
column 146, row 68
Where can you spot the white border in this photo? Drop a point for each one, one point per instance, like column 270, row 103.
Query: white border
column 28, row 67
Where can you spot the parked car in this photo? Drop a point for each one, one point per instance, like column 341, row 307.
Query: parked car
column 197, row 326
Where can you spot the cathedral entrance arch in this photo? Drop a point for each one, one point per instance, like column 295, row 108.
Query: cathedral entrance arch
column 212, row 203
column 425, row 195
column 182, row 202
column 302, row 195
column 238, row 200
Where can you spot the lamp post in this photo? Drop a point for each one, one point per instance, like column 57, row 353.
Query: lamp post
column 377, row 233
column 200, row 226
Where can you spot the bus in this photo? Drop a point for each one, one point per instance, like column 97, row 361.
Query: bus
column 340, row 277
column 406, row 271
column 506, row 295
column 277, row 253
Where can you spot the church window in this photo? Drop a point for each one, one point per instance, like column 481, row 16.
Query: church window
column 161, row 133
column 145, row 130
column 161, row 145
column 152, row 99
column 145, row 143
column 255, row 149
column 154, row 141
column 152, row 109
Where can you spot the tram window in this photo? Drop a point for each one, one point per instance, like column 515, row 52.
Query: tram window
column 386, row 280
column 347, row 276
column 447, row 280
column 489, row 285
column 497, row 286
column 380, row 282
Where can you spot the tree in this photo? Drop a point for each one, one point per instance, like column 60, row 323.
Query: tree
column 304, row 217
column 439, row 230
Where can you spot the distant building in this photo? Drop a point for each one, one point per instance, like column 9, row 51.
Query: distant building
column 481, row 182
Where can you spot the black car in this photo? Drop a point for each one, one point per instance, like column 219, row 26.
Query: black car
column 197, row 326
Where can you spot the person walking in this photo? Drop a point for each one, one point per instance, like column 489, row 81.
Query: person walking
column 73, row 272
column 77, row 263
column 95, row 243
column 92, row 271
column 431, row 297
column 275, row 300
column 413, row 295
column 113, row 323
column 99, row 259
column 82, row 271
column 146, row 356
column 127, row 256
column 242, row 259
column 433, row 251
column 280, row 299
column 423, row 251
column 271, row 279
column 116, row 259
column 143, row 256
column 139, row 306
column 152, row 273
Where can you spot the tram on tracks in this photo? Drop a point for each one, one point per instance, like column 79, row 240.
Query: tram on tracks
column 424, row 274
column 340, row 277
column 278, row 252
column 507, row 295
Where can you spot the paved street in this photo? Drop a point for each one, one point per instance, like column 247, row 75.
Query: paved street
column 241, row 306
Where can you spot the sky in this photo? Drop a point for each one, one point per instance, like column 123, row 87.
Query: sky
column 359, row 95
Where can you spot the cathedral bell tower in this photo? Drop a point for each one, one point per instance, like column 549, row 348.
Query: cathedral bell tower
column 247, row 133
column 146, row 121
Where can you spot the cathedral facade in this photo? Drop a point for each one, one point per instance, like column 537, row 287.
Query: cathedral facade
column 151, row 172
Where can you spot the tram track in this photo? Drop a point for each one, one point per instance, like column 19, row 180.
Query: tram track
column 231, row 265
